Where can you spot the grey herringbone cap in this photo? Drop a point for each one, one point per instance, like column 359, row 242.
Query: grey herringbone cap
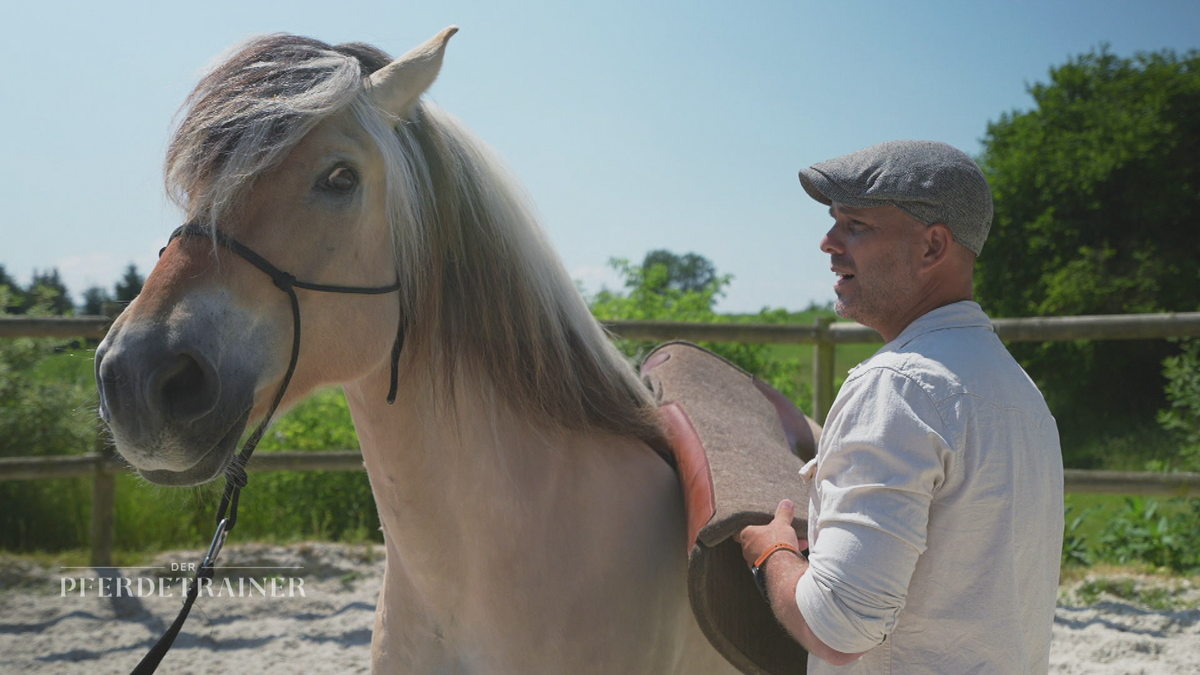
column 930, row 181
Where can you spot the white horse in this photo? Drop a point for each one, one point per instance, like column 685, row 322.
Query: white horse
column 529, row 525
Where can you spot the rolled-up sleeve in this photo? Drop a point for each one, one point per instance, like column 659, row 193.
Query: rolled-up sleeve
column 887, row 455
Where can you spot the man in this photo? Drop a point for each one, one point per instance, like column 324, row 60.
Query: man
column 936, row 509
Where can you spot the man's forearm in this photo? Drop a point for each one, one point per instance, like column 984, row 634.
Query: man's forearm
column 783, row 574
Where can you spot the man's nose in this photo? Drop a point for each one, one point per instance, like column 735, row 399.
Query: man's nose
column 831, row 244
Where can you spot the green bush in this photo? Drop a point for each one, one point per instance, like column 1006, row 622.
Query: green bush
column 1182, row 417
column 40, row 417
column 1141, row 532
column 1074, row 546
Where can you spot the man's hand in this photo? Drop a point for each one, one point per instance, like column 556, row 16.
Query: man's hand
column 783, row 575
column 757, row 538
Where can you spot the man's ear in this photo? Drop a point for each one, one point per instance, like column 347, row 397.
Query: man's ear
column 937, row 242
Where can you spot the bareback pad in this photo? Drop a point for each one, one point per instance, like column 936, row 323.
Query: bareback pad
column 738, row 447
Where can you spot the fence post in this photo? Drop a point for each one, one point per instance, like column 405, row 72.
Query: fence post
column 104, row 488
column 104, row 492
column 822, row 369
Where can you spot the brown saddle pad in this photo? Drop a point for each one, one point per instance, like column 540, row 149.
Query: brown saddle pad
column 738, row 447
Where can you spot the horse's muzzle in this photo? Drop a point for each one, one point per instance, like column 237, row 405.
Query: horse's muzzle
column 174, row 415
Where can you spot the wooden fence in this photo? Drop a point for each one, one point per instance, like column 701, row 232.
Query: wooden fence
column 824, row 335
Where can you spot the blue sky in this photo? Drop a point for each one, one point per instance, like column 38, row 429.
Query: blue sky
column 634, row 125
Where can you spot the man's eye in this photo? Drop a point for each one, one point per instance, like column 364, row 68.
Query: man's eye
column 342, row 180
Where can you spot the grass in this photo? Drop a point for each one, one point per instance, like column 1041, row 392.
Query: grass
column 1125, row 588
column 78, row 557
column 71, row 366
column 1141, row 586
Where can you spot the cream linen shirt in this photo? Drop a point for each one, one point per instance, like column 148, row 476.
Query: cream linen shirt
column 936, row 512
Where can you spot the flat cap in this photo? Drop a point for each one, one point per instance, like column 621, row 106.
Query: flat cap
column 930, row 181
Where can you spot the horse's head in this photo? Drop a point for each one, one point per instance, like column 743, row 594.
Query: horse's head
column 284, row 148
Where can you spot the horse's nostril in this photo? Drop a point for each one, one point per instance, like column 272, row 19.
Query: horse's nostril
column 188, row 390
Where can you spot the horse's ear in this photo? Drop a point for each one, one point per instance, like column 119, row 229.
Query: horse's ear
column 397, row 86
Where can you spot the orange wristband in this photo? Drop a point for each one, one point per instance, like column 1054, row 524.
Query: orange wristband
column 772, row 550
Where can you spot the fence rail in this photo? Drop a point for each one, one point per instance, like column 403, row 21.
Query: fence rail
column 1033, row 329
column 94, row 327
column 823, row 334
column 37, row 468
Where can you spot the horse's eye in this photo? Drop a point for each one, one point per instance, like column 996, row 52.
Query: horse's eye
column 342, row 180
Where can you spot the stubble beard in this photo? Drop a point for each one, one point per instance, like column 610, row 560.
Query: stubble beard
column 873, row 305
column 842, row 309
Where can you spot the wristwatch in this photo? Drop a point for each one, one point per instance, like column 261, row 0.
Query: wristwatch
column 760, row 566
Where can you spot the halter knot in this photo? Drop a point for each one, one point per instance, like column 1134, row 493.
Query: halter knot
column 236, row 475
column 283, row 280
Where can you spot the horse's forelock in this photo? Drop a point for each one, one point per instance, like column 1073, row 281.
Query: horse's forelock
column 255, row 105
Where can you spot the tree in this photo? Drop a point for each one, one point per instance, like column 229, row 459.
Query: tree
column 14, row 297
column 48, row 291
column 94, row 300
column 689, row 272
column 129, row 286
column 1097, row 194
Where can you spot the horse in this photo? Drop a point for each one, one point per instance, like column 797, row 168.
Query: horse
column 529, row 524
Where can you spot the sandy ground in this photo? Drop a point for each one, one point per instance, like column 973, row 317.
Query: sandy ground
column 316, row 618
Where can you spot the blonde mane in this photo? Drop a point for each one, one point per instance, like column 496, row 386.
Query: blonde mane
column 485, row 299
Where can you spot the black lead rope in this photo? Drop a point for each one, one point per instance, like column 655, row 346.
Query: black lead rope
column 235, row 474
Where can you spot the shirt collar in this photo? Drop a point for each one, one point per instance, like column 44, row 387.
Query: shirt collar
column 961, row 314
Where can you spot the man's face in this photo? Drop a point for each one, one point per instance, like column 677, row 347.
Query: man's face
column 876, row 254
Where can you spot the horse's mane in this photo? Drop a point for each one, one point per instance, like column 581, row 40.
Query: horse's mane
column 485, row 298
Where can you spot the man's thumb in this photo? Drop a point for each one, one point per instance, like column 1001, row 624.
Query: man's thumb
column 786, row 511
